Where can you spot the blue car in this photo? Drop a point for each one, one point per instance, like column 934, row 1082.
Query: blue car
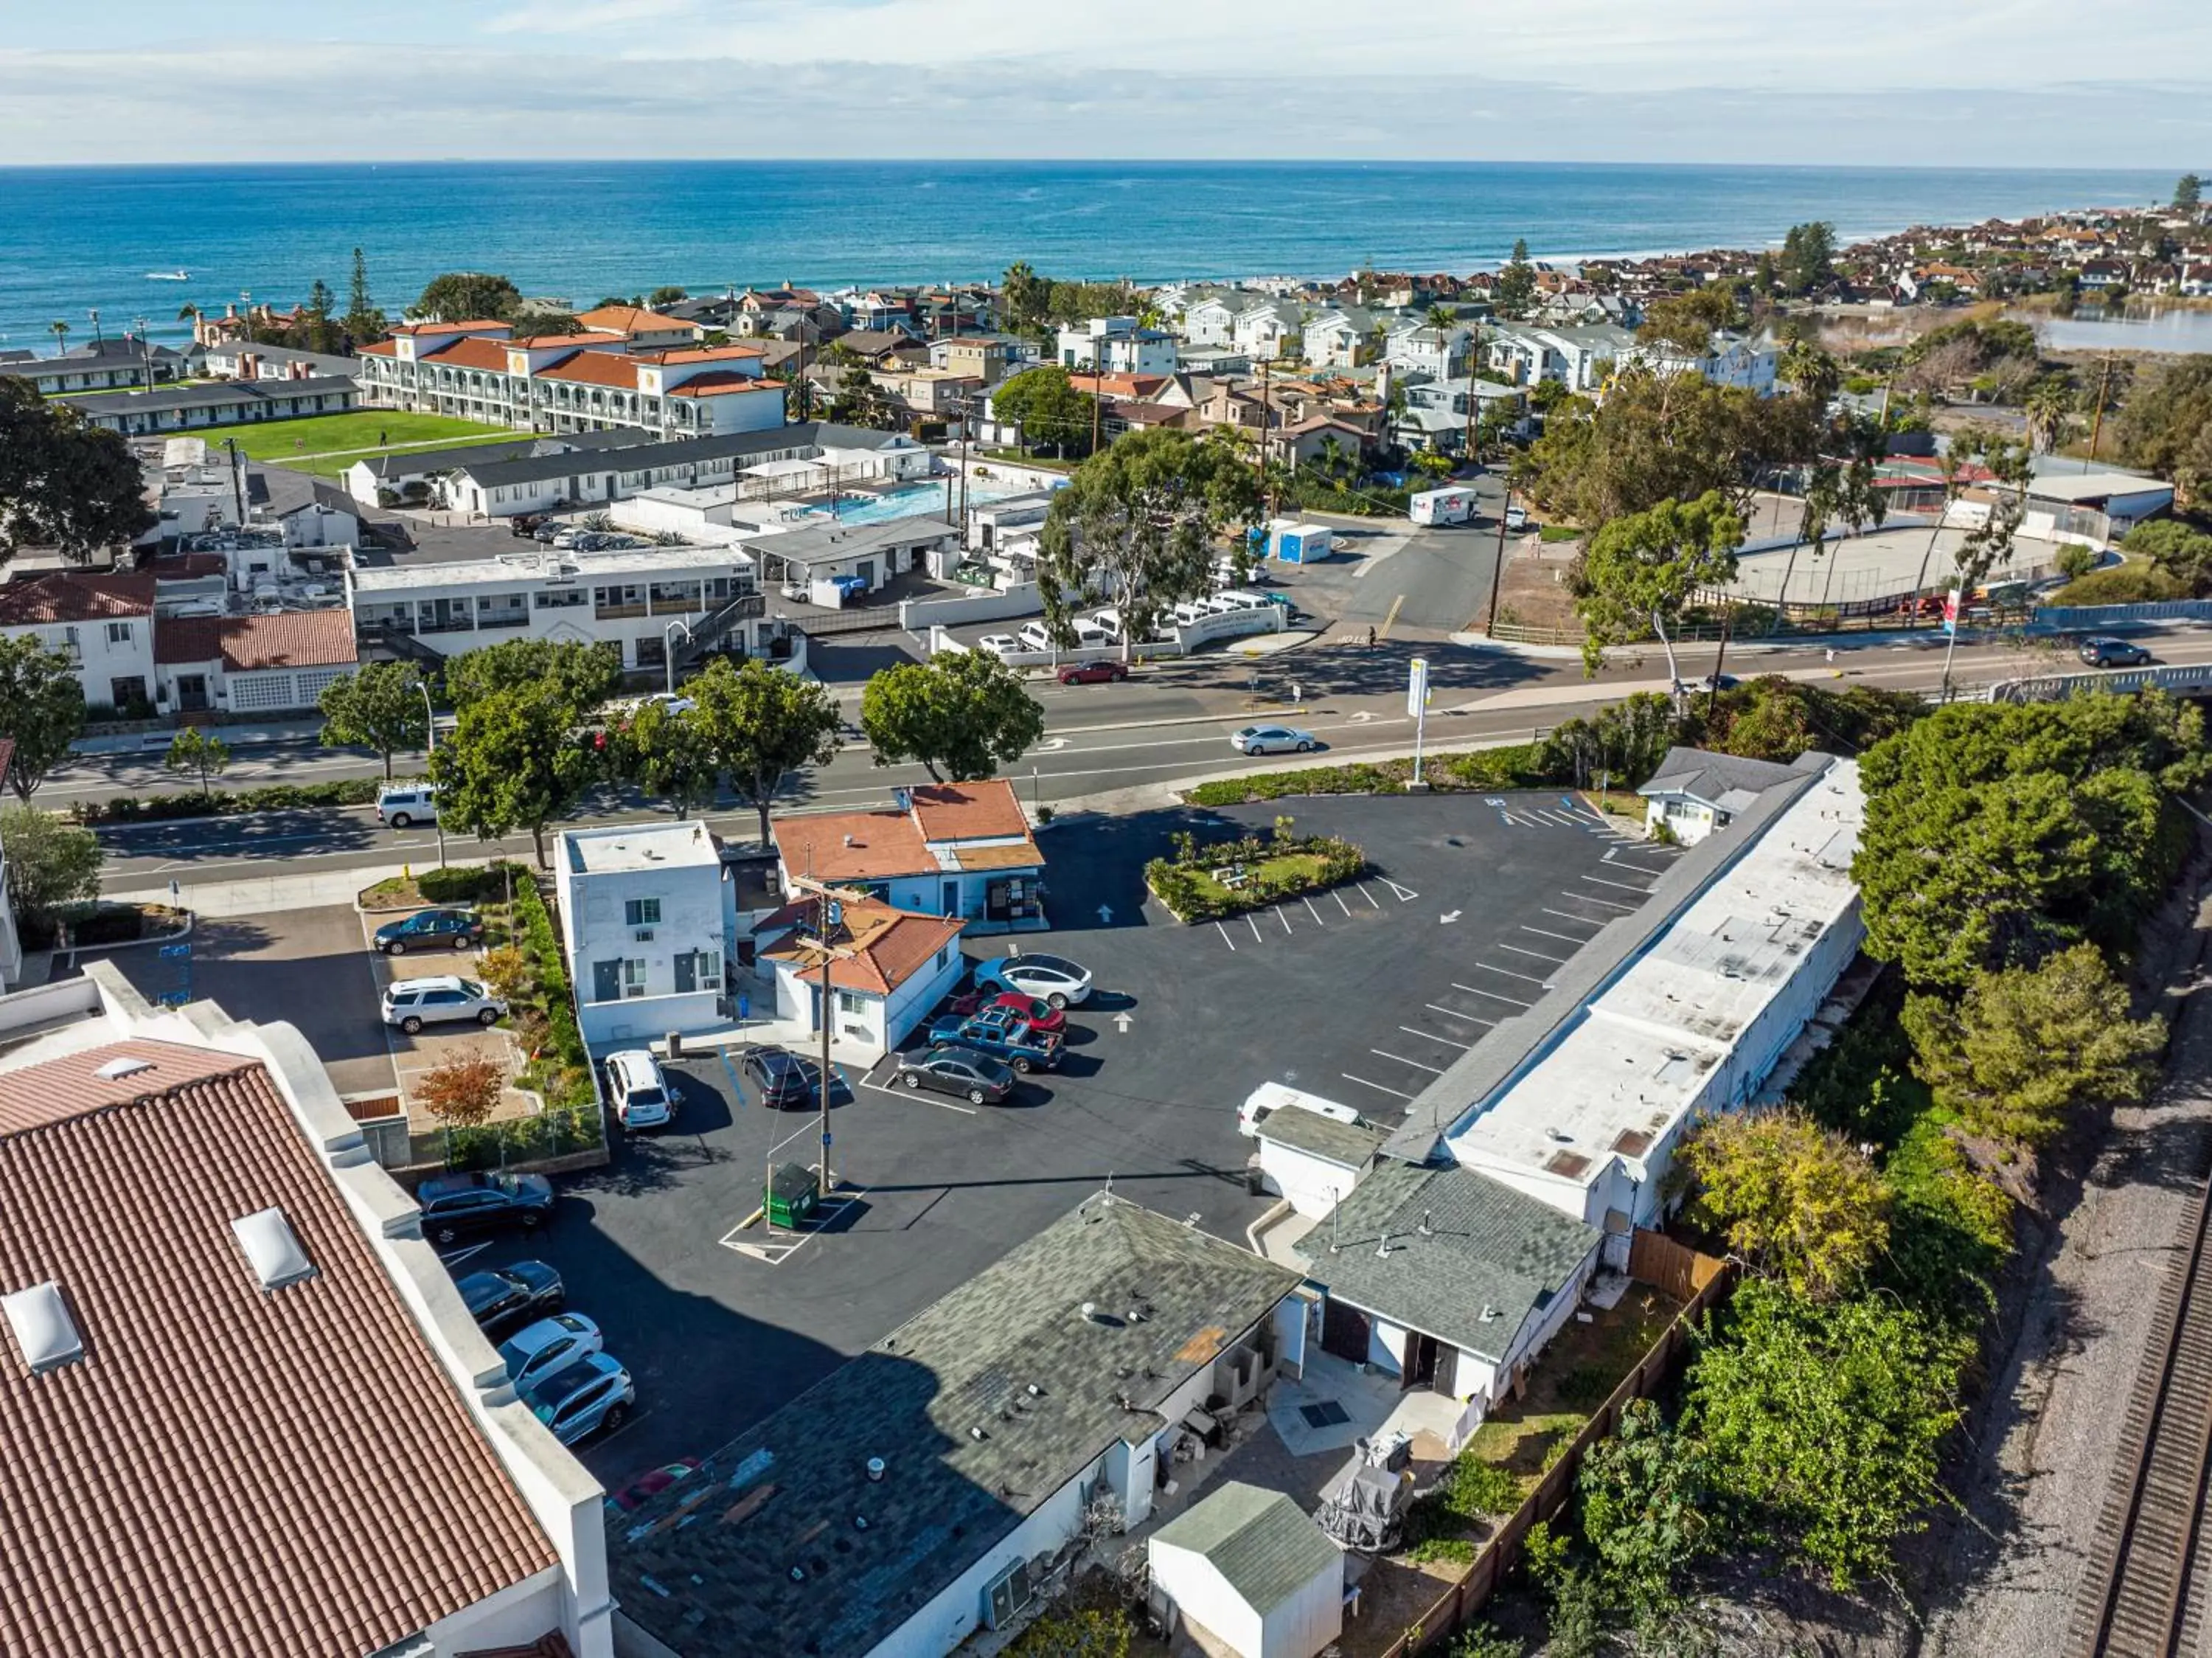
column 1003, row 1035
column 592, row 1393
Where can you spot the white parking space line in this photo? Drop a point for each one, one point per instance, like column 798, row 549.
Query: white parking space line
column 1431, row 1036
column 1463, row 1018
column 1283, row 915
column 1369, row 896
column 1340, row 904
column 1510, row 1001
column 1624, row 885
column 1508, row 974
column 1556, row 960
column 926, row 1096
column 1580, row 921
column 1545, row 932
column 1225, row 939
column 1433, row 1071
column 1394, row 1093
column 1315, row 913
column 1610, row 904
column 1405, row 894
column 1253, row 921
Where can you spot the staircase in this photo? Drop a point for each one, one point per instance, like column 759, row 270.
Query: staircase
column 711, row 630
column 400, row 642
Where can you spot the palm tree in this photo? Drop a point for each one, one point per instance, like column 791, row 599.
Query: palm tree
column 1331, row 457
column 59, row 329
column 1442, row 318
column 2050, row 413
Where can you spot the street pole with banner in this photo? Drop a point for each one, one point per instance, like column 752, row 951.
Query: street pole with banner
column 1416, row 709
column 1953, row 602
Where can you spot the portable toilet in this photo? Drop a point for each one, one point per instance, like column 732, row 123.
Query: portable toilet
column 1451, row 505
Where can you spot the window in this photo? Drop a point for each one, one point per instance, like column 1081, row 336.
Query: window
column 634, row 977
column 945, row 958
column 118, row 633
column 710, row 970
column 641, row 912
column 851, row 1002
column 561, row 599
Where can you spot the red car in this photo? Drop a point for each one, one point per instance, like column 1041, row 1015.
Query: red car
column 634, row 1495
column 1040, row 1017
column 1092, row 673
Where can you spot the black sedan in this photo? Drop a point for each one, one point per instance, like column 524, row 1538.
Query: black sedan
column 457, row 1206
column 788, row 1081
column 508, row 1297
column 949, row 1069
column 454, row 929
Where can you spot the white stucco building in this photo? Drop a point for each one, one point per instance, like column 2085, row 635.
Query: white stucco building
column 1116, row 345
column 889, row 968
column 102, row 620
column 645, row 913
column 962, row 850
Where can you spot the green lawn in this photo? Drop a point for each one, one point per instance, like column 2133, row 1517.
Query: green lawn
column 293, row 440
column 1299, row 868
column 331, row 465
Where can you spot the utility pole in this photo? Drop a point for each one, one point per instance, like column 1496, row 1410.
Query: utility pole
column 1498, row 567
column 1266, row 430
column 2096, row 422
column 830, row 915
column 237, row 481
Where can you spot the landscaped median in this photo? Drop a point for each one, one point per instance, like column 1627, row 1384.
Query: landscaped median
column 1226, row 878
column 1521, row 765
column 229, row 802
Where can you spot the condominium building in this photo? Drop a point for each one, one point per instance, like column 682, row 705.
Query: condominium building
column 570, row 382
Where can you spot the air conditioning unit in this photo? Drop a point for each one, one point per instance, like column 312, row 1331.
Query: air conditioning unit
column 643, row 935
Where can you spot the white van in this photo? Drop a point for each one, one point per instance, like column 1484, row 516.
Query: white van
column 1271, row 1097
column 400, row 805
column 1033, row 636
column 1190, row 610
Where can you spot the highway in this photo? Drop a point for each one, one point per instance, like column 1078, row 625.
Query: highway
column 1165, row 724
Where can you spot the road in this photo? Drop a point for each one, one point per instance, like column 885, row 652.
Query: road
column 1164, row 723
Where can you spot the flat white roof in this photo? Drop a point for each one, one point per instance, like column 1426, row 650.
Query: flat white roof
column 630, row 848
column 2093, row 487
column 1639, row 1053
column 509, row 569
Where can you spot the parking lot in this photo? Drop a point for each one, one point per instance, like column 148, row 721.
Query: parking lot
column 1364, row 995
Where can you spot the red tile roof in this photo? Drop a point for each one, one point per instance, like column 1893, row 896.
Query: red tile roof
column 226, row 1469
column 292, row 638
column 595, row 368
column 379, row 348
column 72, row 595
column 722, row 382
column 990, row 810
column 851, row 846
column 588, row 337
column 183, row 566
column 735, row 350
column 630, row 319
column 481, row 326
column 471, row 352
column 890, row 945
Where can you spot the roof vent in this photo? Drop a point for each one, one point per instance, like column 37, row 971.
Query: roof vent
column 272, row 1248
column 1489, row 1313
column 977, row 1434
column 1090, row 1311
column 876, row 1470
column 43, row 1327
column 122, row 1065
column 1034, row 1391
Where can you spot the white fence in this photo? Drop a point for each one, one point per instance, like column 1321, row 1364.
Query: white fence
column 920, row 615
column 1184, row 638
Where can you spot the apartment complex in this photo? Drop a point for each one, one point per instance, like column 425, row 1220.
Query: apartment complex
column 572, row 382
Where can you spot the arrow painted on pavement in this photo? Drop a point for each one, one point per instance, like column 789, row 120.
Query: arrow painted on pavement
column 1448, row 917
column 1122, row 1021
column 1051, row 744
column 1105, row 915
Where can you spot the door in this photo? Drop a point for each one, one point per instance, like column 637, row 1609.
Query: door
column 687, row 973
column 606, row 981
column 1420, row 1368
column 1447, row 1377
column 1344, row 1332
column 952, row 909
column 191, row 693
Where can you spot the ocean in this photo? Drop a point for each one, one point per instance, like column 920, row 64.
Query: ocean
column 77, row 239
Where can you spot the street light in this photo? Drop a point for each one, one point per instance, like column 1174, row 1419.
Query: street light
column 429, row 748
column 668, row 649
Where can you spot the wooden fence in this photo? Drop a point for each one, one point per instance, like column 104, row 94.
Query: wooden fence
column 1707, row 1281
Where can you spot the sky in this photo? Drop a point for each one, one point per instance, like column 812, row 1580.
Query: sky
column 1979, row 82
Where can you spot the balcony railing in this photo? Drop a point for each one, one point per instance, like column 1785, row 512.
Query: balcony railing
column 503, row 618
column 617, row 613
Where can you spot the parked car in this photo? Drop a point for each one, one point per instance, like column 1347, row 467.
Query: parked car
column 1710, row 682
column 457, row 1206
column 1040, row 1016
column 456, row 930
column 1004, row 1035
column 525, row 524
column 1054, row 978
column 1092, row 673
column 998, row 644
column 398, row 806
column 412, row 1003
column 547, row 531
column 1271, row 740
column 651, row 1483
column 507, row 1296
column 785, row 1080
column 1107, row 621
column 1190, row 610
column 670, row 703
column 1516, row 518
column 587, row 1397
column 1034, row 636
column 641, row 1094
column 976, row 1077
column 2102, row 650
column 549, row 1347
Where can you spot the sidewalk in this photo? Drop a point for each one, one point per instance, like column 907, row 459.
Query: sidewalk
column 155, row 742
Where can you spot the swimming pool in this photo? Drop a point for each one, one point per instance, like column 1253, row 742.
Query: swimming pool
column 912, row 501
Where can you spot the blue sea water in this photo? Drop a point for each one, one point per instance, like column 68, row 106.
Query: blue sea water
column 73, row 239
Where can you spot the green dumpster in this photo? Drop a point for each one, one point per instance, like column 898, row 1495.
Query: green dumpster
column 791, row 1197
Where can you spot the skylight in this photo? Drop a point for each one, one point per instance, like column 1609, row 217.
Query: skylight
column 272, row 1248
column 44, row 1330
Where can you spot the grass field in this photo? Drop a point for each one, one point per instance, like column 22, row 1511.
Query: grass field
column 331, row 465
column 292, row 442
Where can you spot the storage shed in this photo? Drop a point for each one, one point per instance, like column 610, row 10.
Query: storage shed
column 1247, row 1575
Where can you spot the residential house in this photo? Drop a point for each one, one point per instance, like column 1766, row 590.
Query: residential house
column 1728, row 360
column 961, row 850
column 1421, row 347
column 1435, row 414
column 1580, row 359
column 276, row 663
column 646, row 915
column 958, row 1461
column 888, row 969
column 1343, row 336
column 1246, row 1573
column 1693, row 792
column 286, row 1433
column 886, row 348
column 1116, row 345
column 1268, row 329
column 102, row 621
column 221, row 403
column 641, row 329
column 1211, row 318
column 988, row 358
column 313, row 512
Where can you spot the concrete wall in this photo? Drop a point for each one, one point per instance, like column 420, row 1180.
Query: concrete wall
column 920, row 615
column 1314, row 1184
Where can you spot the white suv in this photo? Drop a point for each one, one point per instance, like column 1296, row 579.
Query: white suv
column 412, row 1003
column 640, row 1092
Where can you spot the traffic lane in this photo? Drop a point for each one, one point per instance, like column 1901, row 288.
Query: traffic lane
column 98, row 777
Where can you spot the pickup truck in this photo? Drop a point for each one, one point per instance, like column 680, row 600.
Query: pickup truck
column 1002, row 1034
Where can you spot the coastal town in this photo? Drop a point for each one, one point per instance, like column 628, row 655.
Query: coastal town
column 1470, row 963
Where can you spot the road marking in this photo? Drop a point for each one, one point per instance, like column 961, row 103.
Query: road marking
column 1315, row 913
column 1454, row 1013
column 1448, row 917
column 926, row 1096
column 465, row 1252
column 1122, row 1021
column 1340, row 904
column 1545, row 932
column 1624, row 885
column 1394, row 1093
column 1580, row 921
column 1282, row 914
column 1369, row 896
column 1432, row 1036
column 1609, row 903
column 1254, row 922
column 1433, row 1071
column 1556, row 960
column 1509, row 973
column 1406, row 894
column 1510, row 1001
column 1225, row 939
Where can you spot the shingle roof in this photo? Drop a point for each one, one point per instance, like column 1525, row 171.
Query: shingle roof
column 989, row 810
column 707, row 1566
column 1260, row 1541
column 291, row 638
column 205, row 1479
column 74, row 595
column 1321, row 1136
column 218, row 394
column 1716, row 779
column 1486, row 1247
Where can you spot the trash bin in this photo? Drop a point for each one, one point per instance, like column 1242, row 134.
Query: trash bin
column 790, row 1197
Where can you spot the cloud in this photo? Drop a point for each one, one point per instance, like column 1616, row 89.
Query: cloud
column 592, row 17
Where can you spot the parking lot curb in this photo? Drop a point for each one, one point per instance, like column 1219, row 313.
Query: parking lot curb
column 1149, row 795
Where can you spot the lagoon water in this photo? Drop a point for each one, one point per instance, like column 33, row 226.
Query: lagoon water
column 73, row 239
column 2152, row 330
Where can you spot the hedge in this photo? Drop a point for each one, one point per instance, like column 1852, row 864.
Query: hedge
column 1524, row 765
column 229, row 802
column 467, row 884
column 1183, row 887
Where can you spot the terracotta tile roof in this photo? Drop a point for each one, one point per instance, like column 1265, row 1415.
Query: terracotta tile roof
column 471, row 352
column 481, row 326
column 58, row 1089
column 292, row 638
column 589, row 337
column 881, row 844
column 379, row 348
column 721, row 382
column 892, row 945
column 734, row 352
column 71, row 595
column 630, row 319
column 197, row 1481
column 595, row 368
column 1138, row 388
column 969, row 811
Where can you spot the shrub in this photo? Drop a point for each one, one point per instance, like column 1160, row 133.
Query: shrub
column 275, row 797
column 1458, row 1551
column 2128, row 584
column 463, row 884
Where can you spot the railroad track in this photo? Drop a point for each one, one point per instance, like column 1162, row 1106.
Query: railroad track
column 2143, row 1593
